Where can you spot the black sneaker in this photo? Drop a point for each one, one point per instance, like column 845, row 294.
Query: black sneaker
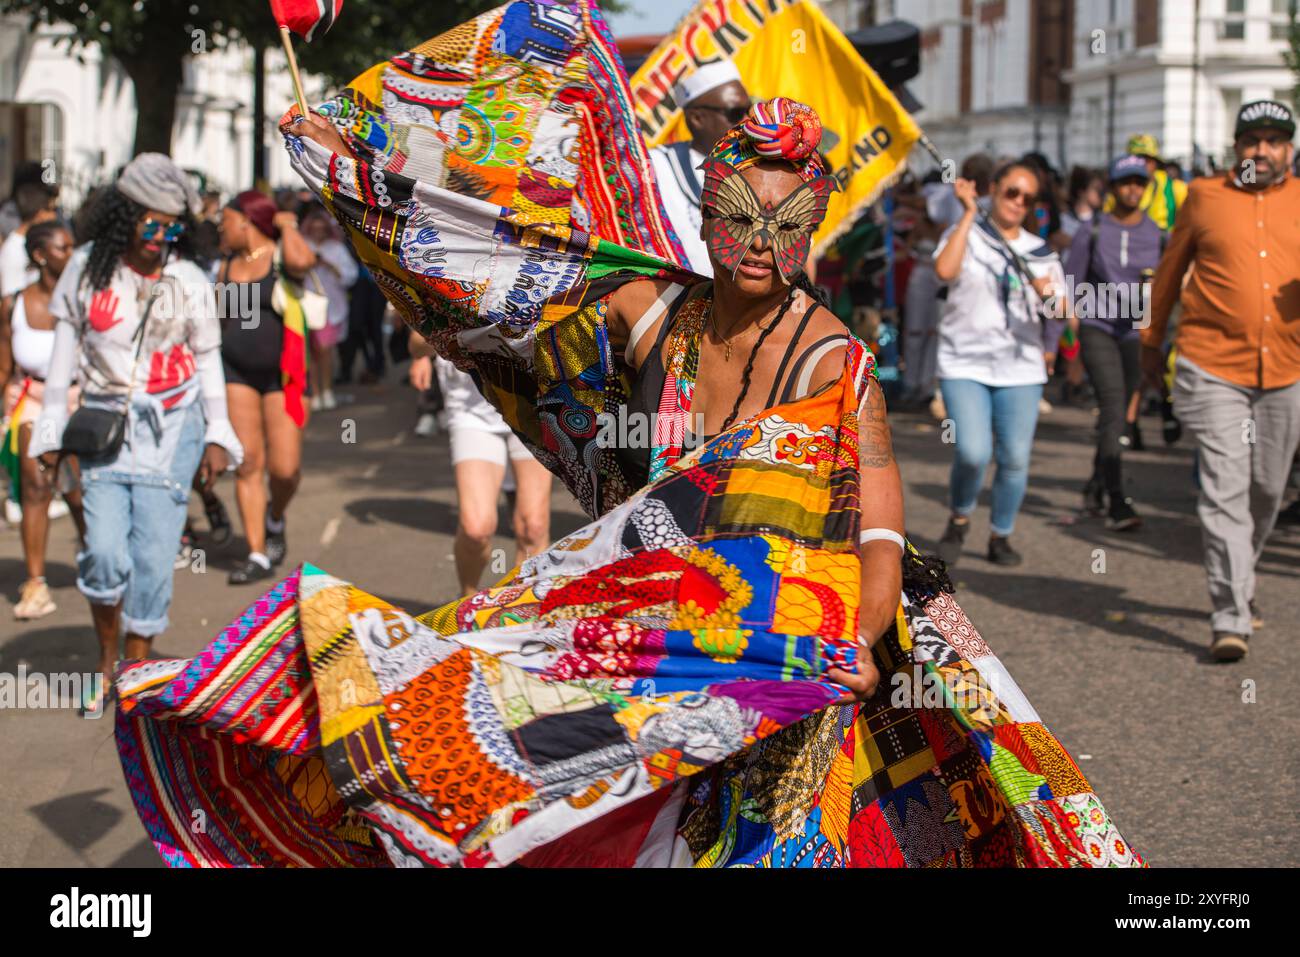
column 250, row 571
column 1289, row 517
column 1122, row 517
column 1132, row 438
column 954, row 536
column 219, row 528
column 1170, row 427
column 276, row 547
column 1001, row 552
column 1094, row 498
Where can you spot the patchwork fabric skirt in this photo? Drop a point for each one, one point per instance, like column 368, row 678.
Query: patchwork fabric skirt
column 650, row 690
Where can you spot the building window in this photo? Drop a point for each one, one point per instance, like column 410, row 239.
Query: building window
column 1146, row 15
column 1233, row 25
column 1280, row 22
column 1231, row 107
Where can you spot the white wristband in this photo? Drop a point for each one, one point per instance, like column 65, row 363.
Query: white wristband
column 875, row 534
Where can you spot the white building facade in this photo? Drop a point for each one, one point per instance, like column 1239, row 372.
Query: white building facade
column 1074, row 79
column 991, row 75
column 1174, row 76
column 79, row 112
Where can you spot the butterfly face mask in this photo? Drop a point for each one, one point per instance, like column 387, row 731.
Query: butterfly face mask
column 735, row 219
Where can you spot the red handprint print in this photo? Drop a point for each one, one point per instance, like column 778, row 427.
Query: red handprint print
column 103, row 310
column 168, row 371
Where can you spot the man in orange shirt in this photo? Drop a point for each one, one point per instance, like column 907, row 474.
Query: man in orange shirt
column 1237, row 377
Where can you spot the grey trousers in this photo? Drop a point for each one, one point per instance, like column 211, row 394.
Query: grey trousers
column 921, row 334
column 1246, row 439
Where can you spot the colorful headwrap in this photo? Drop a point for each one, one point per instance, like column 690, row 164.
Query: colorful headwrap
column 779, row 129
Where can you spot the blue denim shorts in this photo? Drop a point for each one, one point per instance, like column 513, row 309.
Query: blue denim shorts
column 134, row 521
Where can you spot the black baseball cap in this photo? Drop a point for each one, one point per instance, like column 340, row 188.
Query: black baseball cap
column 1265, row 115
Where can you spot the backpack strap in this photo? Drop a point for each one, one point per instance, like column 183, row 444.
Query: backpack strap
column 1094, row 230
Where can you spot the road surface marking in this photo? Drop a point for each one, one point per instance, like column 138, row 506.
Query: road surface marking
column 331, row 529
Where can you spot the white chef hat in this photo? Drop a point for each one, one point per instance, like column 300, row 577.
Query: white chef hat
column 708, row 77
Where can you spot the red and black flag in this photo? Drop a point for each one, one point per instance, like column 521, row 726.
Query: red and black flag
column 307, row 18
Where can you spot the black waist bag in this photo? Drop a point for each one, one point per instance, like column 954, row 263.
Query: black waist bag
column 94, row 433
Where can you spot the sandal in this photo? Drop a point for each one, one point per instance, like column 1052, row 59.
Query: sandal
column 97, row 699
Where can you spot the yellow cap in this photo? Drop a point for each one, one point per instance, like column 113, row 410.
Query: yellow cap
column 1144, row 144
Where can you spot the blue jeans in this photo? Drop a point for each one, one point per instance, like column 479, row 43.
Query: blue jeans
column 133, row 531
column 995, row 422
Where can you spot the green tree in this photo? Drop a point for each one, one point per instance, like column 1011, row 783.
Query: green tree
column 151, row 39
column 1291, row 55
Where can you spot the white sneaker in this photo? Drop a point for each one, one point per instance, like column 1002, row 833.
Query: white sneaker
column 13, row 512
column 426, row 425
column 1044, row 407
column 327, row 401
column 315, row 403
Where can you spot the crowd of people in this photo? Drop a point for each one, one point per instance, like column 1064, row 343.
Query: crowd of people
column 1012, row 275
column 1009, row 276
column 203, row 335
column 1139, row 291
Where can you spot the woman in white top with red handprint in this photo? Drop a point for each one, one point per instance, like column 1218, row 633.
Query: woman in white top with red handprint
column 159, row 364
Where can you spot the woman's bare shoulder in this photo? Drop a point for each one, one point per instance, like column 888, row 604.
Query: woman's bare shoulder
column 822, row 323
column 821, row 349
column 636, row 300
column 635, row 297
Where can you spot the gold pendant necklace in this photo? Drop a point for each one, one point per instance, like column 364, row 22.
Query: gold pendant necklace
column 726, row 343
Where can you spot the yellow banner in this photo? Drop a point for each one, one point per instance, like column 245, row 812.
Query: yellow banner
column 787, row 48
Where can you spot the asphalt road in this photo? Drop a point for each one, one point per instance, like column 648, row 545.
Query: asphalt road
column 1197, row 762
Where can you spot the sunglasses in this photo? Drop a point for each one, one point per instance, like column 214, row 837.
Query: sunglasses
column 732, row 114
column 1013, row 193
column 170, row 232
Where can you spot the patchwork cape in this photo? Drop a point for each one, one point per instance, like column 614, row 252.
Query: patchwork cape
column 649, row 690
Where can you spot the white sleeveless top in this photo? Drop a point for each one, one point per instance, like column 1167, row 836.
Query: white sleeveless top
column 32, row 347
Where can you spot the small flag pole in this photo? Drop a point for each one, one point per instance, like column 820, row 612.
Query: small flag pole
column 285, row 36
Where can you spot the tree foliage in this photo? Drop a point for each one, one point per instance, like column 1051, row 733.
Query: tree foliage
column 152, row 38
column 1291, row 55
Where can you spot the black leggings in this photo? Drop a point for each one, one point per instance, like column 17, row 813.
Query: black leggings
column 365, row 330
column 1115, row 370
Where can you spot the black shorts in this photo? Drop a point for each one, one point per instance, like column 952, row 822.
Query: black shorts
column 264, row 381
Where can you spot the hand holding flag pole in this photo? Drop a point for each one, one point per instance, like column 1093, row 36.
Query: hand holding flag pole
column 293, row 70
column 305, row 18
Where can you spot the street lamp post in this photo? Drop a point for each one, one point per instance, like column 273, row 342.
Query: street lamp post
column 1196, row 73
column 259, row 113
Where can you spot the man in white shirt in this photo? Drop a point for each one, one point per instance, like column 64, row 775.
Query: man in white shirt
column 713, row 100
